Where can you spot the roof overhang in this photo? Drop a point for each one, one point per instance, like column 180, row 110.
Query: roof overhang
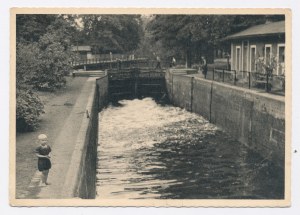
column 230, row 38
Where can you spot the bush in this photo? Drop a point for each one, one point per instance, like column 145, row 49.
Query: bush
column 29, row 108
column 43, row 69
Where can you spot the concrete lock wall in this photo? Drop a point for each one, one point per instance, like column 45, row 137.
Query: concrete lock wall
column 255, row 119
column 87, row 180
column 81, row 178
column 182, row 92
column 87, row 176
column 174, row 75
column 102, row 89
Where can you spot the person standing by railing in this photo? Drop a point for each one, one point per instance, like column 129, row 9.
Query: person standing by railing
column 203, row 65
column 158, row 62
column 119, row 63
column 173, row 63
column 111, row 56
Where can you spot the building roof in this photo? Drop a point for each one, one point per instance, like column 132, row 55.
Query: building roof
column 273, row 28
column 81, row 48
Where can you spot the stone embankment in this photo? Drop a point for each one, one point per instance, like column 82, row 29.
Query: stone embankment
column 254, row 118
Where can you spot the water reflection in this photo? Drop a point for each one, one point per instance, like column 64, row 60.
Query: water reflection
column 150, row 151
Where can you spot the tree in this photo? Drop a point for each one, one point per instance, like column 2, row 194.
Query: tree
column 193, row 34
column 42, row 60
column 196, row 35
column 112, row 33
column 43, row 64
column 31, row 27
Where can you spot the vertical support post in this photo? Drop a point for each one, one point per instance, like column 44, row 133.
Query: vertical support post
column 172, row 86
column 223, row 75
column 192, row 92
column 136, row 87
column 234, row 77
column 213, row 78
column 267, row 85
column 210, row 101
column 249, row 80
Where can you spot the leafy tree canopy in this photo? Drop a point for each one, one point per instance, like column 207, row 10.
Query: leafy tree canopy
column 198, row 34
column 31, row 27
column 43, row 58
column 188, row 33
column 116, row 33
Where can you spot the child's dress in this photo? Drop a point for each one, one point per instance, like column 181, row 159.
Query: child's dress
column 43, row 163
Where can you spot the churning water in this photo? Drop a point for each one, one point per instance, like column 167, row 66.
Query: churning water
column 151, row 151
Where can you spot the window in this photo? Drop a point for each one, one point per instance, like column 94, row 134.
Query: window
column 268, row 53
column 245, row 54
column 252, row 58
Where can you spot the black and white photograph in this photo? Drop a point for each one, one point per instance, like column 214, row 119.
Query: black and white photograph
column 150, row 107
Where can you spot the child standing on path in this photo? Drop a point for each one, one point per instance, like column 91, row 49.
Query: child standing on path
column 44, row 163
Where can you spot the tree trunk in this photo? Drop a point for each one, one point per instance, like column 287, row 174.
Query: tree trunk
column 188, row 60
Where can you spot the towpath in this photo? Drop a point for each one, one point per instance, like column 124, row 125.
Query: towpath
column 64, row 112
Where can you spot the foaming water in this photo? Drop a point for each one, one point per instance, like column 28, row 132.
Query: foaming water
column 147, row 150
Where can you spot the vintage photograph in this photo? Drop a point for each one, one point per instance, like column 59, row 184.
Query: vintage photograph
column 150, row 107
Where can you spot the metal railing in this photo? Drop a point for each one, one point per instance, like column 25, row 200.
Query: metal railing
column 91, row 64
column 270, row 83
column 100, row 60
column 135, row 74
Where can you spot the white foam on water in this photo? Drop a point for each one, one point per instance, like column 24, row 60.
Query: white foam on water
column 123, row 130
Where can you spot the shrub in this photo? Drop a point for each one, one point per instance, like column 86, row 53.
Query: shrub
column 29, row 108
column 43, row 69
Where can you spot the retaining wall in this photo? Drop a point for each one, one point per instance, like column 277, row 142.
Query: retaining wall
column 81, row 177
column 255, row 119
column 80, row 180
column 102, row 89
column 87, row 180
column 87, row 175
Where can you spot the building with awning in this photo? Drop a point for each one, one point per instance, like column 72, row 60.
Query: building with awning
column 264, row 42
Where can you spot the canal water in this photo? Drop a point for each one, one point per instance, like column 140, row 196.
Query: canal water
column 147, row 150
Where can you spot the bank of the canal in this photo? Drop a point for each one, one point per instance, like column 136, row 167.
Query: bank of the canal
column 256, row 119
column 68, row 121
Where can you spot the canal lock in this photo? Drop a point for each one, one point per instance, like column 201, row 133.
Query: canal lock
column 181, row 177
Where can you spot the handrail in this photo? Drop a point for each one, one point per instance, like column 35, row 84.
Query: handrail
column 253, row 79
